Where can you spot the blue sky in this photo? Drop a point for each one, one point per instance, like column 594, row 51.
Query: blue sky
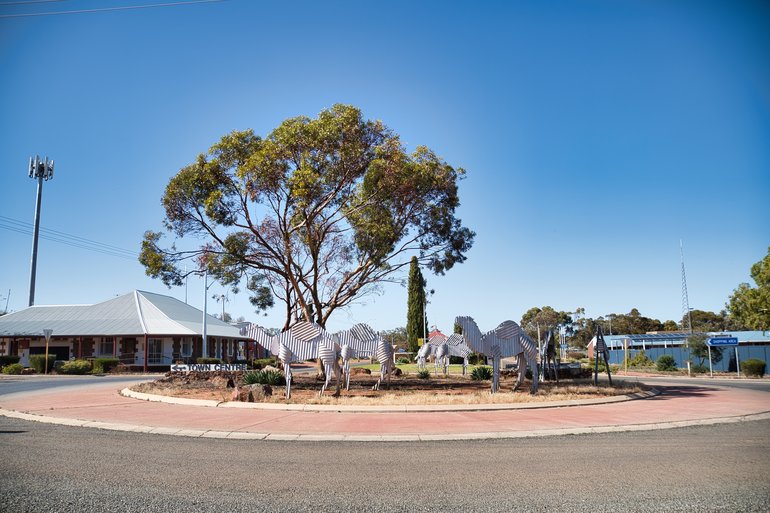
column 596, row 135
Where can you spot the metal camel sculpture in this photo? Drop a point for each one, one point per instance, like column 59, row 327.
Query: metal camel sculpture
column 548, row 358
column 507, row 340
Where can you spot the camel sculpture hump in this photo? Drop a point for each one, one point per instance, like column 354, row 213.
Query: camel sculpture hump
column 507, row 330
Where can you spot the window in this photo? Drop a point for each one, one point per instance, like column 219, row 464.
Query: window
column 186, row 347
column 107, row 346
column 229, row 348
column 155, row 354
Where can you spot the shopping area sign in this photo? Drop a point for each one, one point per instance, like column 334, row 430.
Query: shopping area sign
column 722, row 341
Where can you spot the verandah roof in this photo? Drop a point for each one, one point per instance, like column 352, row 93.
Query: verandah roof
column 137, row 313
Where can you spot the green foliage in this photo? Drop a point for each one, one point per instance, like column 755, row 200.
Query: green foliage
column 205, row 360
column 706, row 321
column 75, row 367
column 699, row 368
column 8, row 360
column 403, row 361
column 397, row 336
column 341, row 203
column 699, row 349
column 13, row 368
column 102, row 365
column 482, row 373
column 264, row 377
column 423, row 374
column 640, row 359
column 576, row 355
column 37, row 362
column 416, row 321
column 753, row 367
column 749, row 306
column 546, row 318
column 259, row 363
column 665, row 362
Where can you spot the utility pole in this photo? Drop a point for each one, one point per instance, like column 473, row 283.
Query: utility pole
column 41, row 170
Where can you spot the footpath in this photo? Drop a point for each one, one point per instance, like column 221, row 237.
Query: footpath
column 101, row 405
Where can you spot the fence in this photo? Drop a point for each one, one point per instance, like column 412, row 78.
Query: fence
column 681, row 354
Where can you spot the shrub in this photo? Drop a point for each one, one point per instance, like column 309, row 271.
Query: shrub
column 665, row 362
column 75, row 367
column 102, row 365
column 423, row 374
column 640, row 359
column 698, row 369
column 402, row 361
column 482, row 373
column 13, row 368
column 576, row 355
column 8, row 360
column 37, row 362
column 205, row 360
column 264, row 377
column 753, row 367
column 259, row 363
column 474, row 359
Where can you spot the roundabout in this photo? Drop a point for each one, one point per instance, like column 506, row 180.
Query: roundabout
column 98, row 403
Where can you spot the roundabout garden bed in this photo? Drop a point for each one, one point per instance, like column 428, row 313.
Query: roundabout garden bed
column 406, row 389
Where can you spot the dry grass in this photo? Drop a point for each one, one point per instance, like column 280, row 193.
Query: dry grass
column 406, row 390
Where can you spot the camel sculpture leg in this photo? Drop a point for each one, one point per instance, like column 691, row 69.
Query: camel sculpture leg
column 522, row 371
column 533, row 366
column 287, row 371
column 495, row 374
column 328, row 369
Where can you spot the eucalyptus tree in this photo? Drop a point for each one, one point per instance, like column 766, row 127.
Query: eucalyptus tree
column 749, row 307
column 315, row 215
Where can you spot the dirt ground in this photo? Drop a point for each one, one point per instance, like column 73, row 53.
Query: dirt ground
column 405, row 389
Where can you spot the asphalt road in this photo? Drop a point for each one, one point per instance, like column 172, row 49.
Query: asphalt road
column 14, row 385
column 50, row 468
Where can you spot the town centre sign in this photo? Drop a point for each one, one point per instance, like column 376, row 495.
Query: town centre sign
column 209, row 367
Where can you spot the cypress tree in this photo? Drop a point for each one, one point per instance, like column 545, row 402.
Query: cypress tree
column 416, row 322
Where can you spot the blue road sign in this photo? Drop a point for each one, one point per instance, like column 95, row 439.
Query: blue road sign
column 722, row 341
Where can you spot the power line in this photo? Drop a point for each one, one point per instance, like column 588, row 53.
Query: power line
column 25, row 2
column 17, row 226
column 106, row 9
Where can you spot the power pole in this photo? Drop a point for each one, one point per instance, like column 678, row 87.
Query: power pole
column 41, row 170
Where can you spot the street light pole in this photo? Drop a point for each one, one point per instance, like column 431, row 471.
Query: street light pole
column 41, row 170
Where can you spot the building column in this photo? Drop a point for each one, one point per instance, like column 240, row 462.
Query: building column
column 146, row 351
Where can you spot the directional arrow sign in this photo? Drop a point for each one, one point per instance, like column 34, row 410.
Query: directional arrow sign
column 722, row 341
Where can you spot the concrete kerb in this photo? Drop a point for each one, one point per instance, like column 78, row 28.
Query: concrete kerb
column 312, row 437
column 327, row 408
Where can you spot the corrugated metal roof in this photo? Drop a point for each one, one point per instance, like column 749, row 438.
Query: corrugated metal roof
column 136, row 313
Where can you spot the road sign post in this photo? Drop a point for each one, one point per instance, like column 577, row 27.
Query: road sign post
column 47, row 334
column 724, row 342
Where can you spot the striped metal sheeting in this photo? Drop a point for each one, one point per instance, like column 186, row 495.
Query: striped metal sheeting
column 257, row 333
column 509, row 336
column 457, row 346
